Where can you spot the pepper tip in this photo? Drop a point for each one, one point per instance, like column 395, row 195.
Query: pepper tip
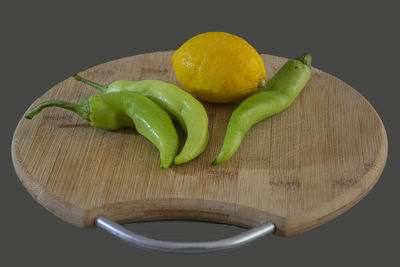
column 77, row 77
column 165, row 166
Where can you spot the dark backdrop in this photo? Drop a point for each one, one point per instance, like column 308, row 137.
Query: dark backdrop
column 45, row 42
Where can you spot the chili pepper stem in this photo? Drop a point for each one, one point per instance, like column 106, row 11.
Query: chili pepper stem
column 80, row 108
column 305, row 59
column 100, row 87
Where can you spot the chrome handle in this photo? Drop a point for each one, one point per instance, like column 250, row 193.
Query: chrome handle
column 233, row 242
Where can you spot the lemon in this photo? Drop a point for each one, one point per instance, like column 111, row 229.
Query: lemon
column 218, row 67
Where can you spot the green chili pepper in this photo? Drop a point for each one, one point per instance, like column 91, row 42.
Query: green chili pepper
column 125, row 109
column 276, row 96
column 189, row 112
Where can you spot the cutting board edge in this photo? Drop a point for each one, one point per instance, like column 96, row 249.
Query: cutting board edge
column 298, row 223
column 50, row 202
column 170, row 208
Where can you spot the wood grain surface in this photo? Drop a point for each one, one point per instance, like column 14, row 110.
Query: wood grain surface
column 298, row 169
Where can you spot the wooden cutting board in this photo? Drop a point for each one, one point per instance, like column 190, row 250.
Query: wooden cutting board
column 297, row 169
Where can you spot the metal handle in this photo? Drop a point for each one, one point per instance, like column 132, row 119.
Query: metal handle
column 239, row 240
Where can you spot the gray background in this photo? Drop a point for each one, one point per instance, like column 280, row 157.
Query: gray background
column 44, row 42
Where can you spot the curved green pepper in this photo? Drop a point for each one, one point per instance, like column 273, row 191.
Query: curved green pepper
column 189, row 112
column 276, row 96
column 125, row 109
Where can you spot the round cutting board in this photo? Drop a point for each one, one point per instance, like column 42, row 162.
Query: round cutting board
column 297, row 169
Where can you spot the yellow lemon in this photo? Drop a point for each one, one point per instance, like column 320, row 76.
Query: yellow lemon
column 218, row 67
